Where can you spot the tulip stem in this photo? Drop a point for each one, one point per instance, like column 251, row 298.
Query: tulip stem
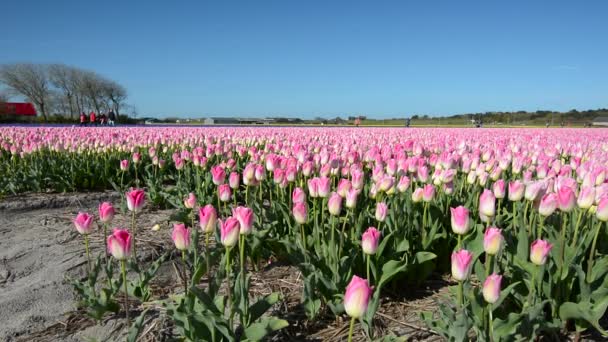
column 488, row 264
column 133, row 235
column 578, row 223
column 244, row 317
column 207, row 261
column 460, row 295
column 592, row 252
column 303, row 236
column 490, row 323
column 350, row 329
column 228, row 289
column 342, row 235
column 367, row 262
column 123, row 270
column 185, row 272
column 541, row 223
column 105, row 241
column 86, row 248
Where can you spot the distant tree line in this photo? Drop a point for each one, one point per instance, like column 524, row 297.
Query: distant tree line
column 548, row 116
column 62, row 89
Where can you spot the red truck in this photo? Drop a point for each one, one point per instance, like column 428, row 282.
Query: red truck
column 17, row 111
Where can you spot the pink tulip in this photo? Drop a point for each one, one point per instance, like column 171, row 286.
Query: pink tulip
column 461, row 264
column 357, row 296
column 428, row 193
column 84, row 223
column 179, row 163
column 106, row 212
column 493, row 241
column 566, row 199
column 181, row 236
column 498, row 188
column 381, row 211
column 324, row 186
column 548, row 204
column 260, row 173
column 229, row 232
column 208, row 218
column 218, row 174
column 351, row 198
column 124, row 165
column 249, row 173
column 190, row 201
column 404, row 184
column 334, row 205
column 533, row 191
column 386, row 183
column 417, row 195
column 278, row 176
column 136, row 199
column 343, row 187
column 136, row 158
column 233, row 180
column 491, row 288
column 487, row 205
column 516, row 191
column 307, row 169
column 357, row 179
column 539, row 251
column 300, row 212
column 224, row 192
column 313, row 187
column 602, row 209
column 586, row 197
column 245, row 217
column 461, row 222
column 120, row 244
column 369, row 240
column 298, row 196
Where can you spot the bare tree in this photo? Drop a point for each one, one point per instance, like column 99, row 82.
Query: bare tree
column 116, row 93
column 91, row 88
column 3, row 100
column 29, row 80
column 63, row 78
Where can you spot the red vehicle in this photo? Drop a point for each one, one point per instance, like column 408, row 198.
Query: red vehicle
column 17, row 110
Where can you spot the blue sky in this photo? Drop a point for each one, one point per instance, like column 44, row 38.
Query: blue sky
column 325, row 58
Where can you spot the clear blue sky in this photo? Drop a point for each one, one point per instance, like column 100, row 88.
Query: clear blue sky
column 327, row 58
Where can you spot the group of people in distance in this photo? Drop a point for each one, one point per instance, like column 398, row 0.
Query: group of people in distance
column 94, row 120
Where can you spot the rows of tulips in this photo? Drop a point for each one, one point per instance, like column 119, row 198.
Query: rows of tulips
column 517, row 217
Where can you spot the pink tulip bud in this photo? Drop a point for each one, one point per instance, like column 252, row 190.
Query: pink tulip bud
column 487, row 205
column 491, row 288
column 404, row 184
column 161, row 163
column 351, row 198
column 533, row 191
column 313, row 187
column 245, row 217
column 291, row 173
column 334, row 205
column 224, row 192
column 260, row 173
column 602, row 209
column 423, row 174
column 136, row 199
column 386, row 183
column 461, row 222
column 190, row 201
column 357, row 179
column 233, row 180
column 278, row 176
column 461, row 264
column 586, row 197
column 369, row 240
column 179, row 163
column 106, row 212
column 208, row 218
column 566, row 199
column 300, row 212
column 124, row 165
column 249, row 173
column 152, row 152
column 357, row 296
column 298, row 196
column 493, row 241
column 181, row 236
column 417, row 195
column 516, row 191
column 428, row 193
column 343, row 187
column 548, row 204
column 136, row 158
column 447, row 176
column 381, row 211
column 498, row 188
column 539, row 251
column 218, row 174
column 307, row 168
column 229, row 232
column 83, row 223
column 120, row 244
column 324, row 186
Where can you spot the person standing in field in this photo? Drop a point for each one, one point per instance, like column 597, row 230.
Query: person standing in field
column 111, row 118
column 93, row 119
column 83, row 119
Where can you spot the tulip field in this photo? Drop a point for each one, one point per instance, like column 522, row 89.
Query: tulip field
column 515, row 221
